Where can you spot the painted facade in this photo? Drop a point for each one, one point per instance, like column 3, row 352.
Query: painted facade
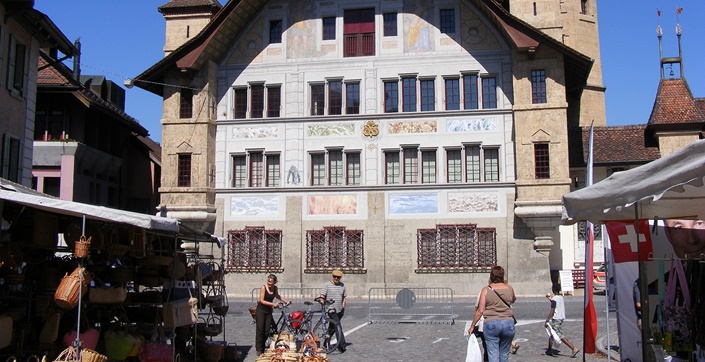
column 302, row 169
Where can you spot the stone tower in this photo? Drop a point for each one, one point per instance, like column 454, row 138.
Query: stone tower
column 185, row 19
column 574, row 23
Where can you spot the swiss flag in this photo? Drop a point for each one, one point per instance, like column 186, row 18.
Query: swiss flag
column 623, row 239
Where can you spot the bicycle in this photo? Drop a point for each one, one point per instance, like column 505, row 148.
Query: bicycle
column 325, row 326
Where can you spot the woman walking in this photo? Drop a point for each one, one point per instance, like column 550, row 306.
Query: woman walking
column 498, row 325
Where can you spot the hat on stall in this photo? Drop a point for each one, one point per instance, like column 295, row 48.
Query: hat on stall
column 337, row 273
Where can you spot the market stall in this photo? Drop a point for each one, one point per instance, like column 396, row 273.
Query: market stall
column 660, row 206
column 108, row 281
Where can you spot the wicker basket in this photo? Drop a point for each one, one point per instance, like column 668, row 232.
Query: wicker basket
column 89, row 355
column 69, row 290
column 82, row 246
column 210, row 351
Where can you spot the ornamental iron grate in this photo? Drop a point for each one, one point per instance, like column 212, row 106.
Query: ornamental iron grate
column 254, row 248
column 334, row 247
column 457, row 246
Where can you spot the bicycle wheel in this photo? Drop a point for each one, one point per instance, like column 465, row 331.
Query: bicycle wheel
column 325, row 331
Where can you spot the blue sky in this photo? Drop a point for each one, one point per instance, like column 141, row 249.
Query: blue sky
column 123, row 38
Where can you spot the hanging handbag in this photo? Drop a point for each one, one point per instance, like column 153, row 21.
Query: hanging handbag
column 156, row 349
column 677, row 314
column 50, row 329
column 500, row 298
column 70, row 288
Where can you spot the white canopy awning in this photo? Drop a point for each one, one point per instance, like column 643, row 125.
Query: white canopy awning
column 669, row 187
column 93, row 212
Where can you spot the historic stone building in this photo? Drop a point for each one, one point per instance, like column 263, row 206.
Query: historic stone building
column 407, row 142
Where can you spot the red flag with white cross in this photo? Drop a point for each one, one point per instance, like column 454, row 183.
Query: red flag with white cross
column 624, row 239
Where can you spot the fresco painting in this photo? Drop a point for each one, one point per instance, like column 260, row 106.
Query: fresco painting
column 332, row 204
column 255, row 132
column 327, row 130
column 412, row 127
column 254, row 205
column 471, row 125
column 473, row 202
column 425, row 203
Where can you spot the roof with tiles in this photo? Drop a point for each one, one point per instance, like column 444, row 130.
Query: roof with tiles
column 675, row 104
column 57, row 76
column 613, row 145
column 189, row 3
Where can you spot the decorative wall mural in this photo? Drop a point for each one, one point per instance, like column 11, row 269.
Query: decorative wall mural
column 332, row 204
column 473, row 202
column 255, row 132
column 413, row 203
column 302, row 32
column 293, row 176
column 471, row 125
column 254, row 205
column 412, row 127
column 250, row 45
column 325, row 130
column 474, row 33
column 418, row 33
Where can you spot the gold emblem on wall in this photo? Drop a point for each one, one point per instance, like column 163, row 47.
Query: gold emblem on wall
column 371, row 129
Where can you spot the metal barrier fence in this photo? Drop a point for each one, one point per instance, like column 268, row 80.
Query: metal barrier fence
column 295, row 295
column 411, row 305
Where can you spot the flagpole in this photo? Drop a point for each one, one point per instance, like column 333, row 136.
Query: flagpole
column 643, row 290
column 589, row 315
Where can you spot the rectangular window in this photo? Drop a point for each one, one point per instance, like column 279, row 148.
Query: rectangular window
column 411, row 165
column 460, row 247
column 352, row 98
column 452, row 94
column 240, row 103
column 239, row 171
column 335, row 97
column 491, row 164
column 448, row 21
column 428, row 95
column 489, row 93
column 454, row 166
column 257, row 105
column 256, row 169
column 352, row 165
column 318, row 169
column 542, row 167
column 391, row 97
column 538, row 86
column 390, row 24
column 392, row 168
column 16, row 66
column 470, row 93
column 472, row 163
column 359, row 32
column 273, row 171
column 428, row 167
column 185, row 103
column 329, row 28
column 334, row 247
column 583, row 6
column 11, row 158
column 274, row 97
column 254, row 249
column 275, row 31
column 184, row 170
column 335, row 168
column 409, row 94
column 318, row 99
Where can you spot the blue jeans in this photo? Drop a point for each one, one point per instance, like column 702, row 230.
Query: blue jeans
column 498, row 336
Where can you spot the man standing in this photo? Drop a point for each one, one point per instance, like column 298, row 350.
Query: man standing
column 335, row 290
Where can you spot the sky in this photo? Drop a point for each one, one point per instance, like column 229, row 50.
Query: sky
column 122, row 38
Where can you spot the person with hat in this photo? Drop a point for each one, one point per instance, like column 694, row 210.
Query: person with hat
column 335, row 290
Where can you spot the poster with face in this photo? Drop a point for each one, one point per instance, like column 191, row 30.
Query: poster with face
column 661, row 246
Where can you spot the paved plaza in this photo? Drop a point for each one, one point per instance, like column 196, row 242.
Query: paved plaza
column 437, row 340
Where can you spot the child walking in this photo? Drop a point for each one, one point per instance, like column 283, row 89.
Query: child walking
column 555, row 319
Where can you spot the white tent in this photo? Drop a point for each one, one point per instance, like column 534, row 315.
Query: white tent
column 669, row 187
column 11, row 192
